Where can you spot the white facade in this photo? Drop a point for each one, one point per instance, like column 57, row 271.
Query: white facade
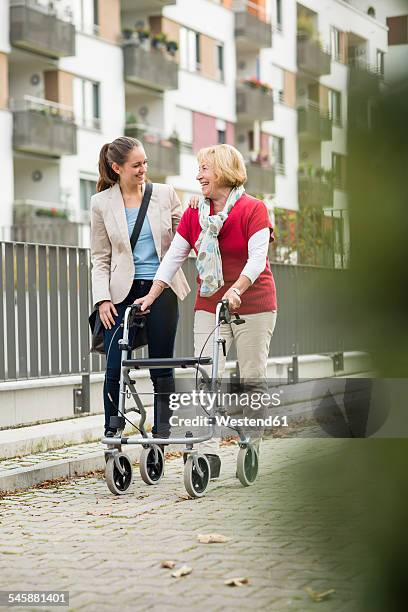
column 211, row 64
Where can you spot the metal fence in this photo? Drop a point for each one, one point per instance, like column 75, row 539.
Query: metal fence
column 45, row 300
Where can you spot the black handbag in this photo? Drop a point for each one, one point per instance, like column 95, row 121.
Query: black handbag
column 137, row 323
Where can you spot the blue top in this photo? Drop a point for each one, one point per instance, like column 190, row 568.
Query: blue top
column 144, row 254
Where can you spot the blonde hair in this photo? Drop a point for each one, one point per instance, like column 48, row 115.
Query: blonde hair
column 227, row 164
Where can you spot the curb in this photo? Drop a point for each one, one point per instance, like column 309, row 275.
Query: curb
column 26, row 477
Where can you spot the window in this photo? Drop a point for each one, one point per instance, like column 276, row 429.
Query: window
column 197, row 50
column 380, row 62
column 190, row 55
column 96, row 101
column 279, row 14
column 335, row 107
column 87, row 103
column 278, row 145
column 221, row 136
column 87, row 189
column 335, row 44
column 338, row 165
column 220, row 61
column 96, row 15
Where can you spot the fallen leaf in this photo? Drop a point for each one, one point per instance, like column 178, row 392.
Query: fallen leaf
column 212, row 538
column 236, row 582
column 172, row 455
column 168, row 564
column 182, row 498
column 315, row 596
column 232, row 441
column 183, row 571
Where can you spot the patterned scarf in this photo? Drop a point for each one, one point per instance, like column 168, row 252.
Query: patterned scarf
column 208, row 262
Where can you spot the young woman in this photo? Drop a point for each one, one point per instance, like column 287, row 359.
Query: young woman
column 230, row 232
column 120, row 276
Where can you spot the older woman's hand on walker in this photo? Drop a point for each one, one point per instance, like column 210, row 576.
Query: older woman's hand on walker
column 147, row 300
column 234, row 301
column 106, row 312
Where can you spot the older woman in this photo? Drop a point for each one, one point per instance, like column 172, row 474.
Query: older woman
column 230, row 232
column 120, row 275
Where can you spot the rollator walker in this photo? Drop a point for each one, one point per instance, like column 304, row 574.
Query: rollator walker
column 118, row 470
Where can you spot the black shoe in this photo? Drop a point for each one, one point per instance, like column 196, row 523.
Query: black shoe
column 109, row 433
column 215, row 466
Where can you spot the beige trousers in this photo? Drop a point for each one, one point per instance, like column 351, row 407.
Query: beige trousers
column 252, row 341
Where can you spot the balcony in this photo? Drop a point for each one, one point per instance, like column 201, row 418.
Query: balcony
column 252, row 33
column 364, row 78
column 150, row 68
column 163, row 154
column 43, row 127
column 261, row 179
column 39, row 29
column 146, row 5
column 46, row 223
column 254, row 103
column 311, row 58
column 315, row 192
column 313, row 123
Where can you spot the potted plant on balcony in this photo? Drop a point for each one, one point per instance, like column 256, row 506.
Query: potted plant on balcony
column 306, row 27
column 172, row 47
column 127, row 33
column 51, row 213
column 255, row 83
column 159, row 40
column 143, row 34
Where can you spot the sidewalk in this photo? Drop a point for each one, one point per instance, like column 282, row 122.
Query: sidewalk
column 107, row 551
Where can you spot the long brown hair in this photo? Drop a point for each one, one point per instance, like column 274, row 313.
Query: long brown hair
column 114, row 152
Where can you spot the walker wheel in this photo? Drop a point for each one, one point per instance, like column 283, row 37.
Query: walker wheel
column 247, row 465
column 151, row 464
column 117, row 482
column 196, row 484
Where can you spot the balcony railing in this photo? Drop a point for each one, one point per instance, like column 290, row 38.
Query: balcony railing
column 151, row 68
column 252, row 30
column 313, row 123
column 254, row 104
column 363, row 76
column 38, row 28
column 261, row 179
column 163, row 154
column 314, row 192
column 311, row 58
column 143, row 5
column 43, row 127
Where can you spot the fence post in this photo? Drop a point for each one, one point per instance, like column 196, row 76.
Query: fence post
column 84, row 329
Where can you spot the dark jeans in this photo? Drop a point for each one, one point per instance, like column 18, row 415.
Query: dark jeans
column 161, row 333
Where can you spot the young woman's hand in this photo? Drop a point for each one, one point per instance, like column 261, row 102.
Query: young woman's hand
column 145, row 302
column 193, row 203
column 106, row 312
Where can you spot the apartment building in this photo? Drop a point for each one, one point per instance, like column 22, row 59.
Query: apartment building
column 272, row 77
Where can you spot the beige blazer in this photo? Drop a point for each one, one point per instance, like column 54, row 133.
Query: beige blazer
column 113, row 268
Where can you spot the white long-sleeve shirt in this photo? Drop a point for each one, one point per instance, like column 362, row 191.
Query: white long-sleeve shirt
column 180, row 249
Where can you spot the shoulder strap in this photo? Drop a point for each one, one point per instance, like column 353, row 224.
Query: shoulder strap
column 141, row 215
